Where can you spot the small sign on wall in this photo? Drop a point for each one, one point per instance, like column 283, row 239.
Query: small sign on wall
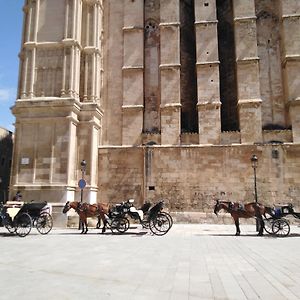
column 24, row 161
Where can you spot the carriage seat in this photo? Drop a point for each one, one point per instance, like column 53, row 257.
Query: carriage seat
column 285, row 209
column 12, row 211
column 14, row 203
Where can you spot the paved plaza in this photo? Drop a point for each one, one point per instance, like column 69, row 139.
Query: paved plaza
column 190, row 262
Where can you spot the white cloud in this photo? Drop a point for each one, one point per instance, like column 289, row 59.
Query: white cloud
column 7, row 94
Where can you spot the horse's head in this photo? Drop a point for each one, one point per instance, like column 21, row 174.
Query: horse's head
column 67, row 207
column 217, row 207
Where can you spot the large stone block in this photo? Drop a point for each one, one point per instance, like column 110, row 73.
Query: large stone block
column 206, row 34
column 170, row 125
column 208, row 83
column 169, row 45
column 209, row 123
column 205, row 10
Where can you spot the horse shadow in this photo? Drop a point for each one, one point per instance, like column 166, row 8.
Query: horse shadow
column 7, row 234
column 133, row 234
column 97, row 231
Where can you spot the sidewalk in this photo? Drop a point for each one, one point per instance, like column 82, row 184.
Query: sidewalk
column 190, row 262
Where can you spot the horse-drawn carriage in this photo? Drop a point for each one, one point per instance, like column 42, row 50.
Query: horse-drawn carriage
column 117, row 217
column 153, row 218
column 272, row 219
column 276, row 223
column 20, row 217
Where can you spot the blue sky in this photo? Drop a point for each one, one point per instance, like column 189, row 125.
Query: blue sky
column 11, row 21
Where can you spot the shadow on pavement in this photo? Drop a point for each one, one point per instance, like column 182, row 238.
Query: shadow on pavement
column 107, row 233
column 291, row 235
column 7, row 234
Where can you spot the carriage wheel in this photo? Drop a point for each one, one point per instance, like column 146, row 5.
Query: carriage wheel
column 160, row 224
column 169, row 217
column 268, row 223
column 145, row 224
column 281, row 227
column 44, row 223
column 23, row 224
column 10, row 228
column 119, row 225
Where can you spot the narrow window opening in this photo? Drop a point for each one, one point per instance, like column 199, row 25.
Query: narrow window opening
column 228, row 81
column 188, row 75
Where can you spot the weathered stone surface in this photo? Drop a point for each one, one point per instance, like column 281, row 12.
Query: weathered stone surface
column 208, row 83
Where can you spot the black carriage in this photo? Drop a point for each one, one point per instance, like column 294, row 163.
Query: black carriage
column 277, row 223
column 19, row 217
column 153, row 218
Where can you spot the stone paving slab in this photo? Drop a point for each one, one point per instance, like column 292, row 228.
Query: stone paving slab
column 190, row 262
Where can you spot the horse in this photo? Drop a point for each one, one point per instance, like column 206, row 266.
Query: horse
column 238, row 211
column 85, row 210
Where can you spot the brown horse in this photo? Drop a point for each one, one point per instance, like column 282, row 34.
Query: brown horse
column 85, row 210
column 238, row 211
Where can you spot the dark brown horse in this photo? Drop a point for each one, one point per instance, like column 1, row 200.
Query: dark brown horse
column 237, row 211
column 85, row 210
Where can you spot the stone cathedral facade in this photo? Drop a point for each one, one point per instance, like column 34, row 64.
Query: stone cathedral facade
column 163, row 99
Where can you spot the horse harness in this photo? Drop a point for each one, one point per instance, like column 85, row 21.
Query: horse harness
column 236, row 207
column 84, row 208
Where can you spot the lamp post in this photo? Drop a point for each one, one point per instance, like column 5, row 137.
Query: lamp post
column 254, row 162
column 82, row 182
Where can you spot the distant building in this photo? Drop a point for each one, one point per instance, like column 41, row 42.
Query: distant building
column 6, row 148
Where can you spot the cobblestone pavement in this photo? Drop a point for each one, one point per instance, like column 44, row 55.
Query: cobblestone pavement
column 190, row 262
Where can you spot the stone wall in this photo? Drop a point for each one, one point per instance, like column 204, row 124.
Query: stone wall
column 189, row 178
column 186, row 76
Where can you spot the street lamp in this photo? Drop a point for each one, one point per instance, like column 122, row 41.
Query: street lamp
column 82, row 182
column 83, row 167
column 254, row 162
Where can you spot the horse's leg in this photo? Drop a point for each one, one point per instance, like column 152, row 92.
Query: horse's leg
column 86, row 225
column 261, row 226
column 82, row 222
column 237, row 225
column 81, row 226
column 259, row 217
column 104, row 223
column 98, row 225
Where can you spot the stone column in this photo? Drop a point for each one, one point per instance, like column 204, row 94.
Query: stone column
column 133, row 67
column 71, row 163
column 207, row 72
column 92, row 48
column 291, row 62
column 170, row 71
column 72, row 47
column 29, row 49
column 90, row 116
column 249, row 100
column 89, row 136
